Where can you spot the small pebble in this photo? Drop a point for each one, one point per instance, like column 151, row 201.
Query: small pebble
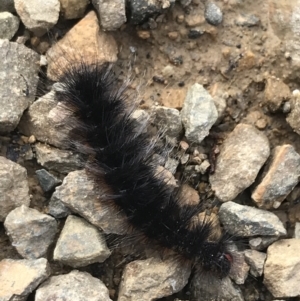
column 143, row 34
column 213, row 14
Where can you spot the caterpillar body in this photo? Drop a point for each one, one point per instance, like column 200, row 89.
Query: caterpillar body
column 121, row 156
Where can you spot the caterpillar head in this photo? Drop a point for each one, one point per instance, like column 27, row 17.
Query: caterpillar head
column 217, row 258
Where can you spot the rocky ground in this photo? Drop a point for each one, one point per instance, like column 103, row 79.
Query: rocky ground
column 220, row 78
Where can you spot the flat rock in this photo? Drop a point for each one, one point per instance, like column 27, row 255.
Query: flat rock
column 80, row 244
column 83, row 42
column 276, row 92
column 38, row 20
column 73, row 9
column 280, row 177
column 52, row 158
column 112, row 14
column 256, row 262
column 242, row 155
column 168, row 119
column 152, row 279
column 45, row 119
column 80, row 195
column 18, row 82
column 9, row 25
column 248, row 221
column 198, row 113
column 19, row 278
column 30, row 231
column 14, row 190
column 282, row 268
column 75, row 286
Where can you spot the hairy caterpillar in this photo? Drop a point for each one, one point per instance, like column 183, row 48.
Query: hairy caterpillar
column 121, row 156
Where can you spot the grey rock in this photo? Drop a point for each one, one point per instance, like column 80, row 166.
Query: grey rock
column 19, row 278
column 14, row 190
column 297, row 231
column 247, row 20
column 7, row 6
column 293, row 118
column 213, row 14
column 142, row 10
column 172, row 165
column 81, row 196
column 9, row 25
column 18, row 82
column 73, row 9
column 242, row 155
column 198, row 113
column 112, row 13
column 46, row 120
column 248, row 221
column 47, row 181
column 56, row 159
column 75, row 286
column 57, row 209
column 185, row 3
column 281, row 272
column 279, row 178
column 211, row 288
column 142, row 118
column 80, row 244
column 169, row 120
column 152, row 279
column 30, row 231
column 261, row 243
column 38, row 20
column 240, row 274
column 256, row 262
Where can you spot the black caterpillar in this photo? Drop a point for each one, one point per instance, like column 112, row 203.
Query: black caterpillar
column 122, row 158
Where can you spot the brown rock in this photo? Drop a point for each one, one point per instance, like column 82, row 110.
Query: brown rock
column 19, row 278
column 280, row 178
column 247, row 61
column 242, row 155
column 152, row 279
column 173, row 97
column 282, row 272
column 276, row 93
column 84, row 42
column 73, row 9
column 144, row 34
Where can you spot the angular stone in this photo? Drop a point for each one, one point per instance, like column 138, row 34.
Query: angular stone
column 81, row 196
column 168, row 119
column 282, row 272
column 83, row 42
column 56, row 159
column 80, row 244
column 242, row 155
column 280, row 178
column 38, row 20
column 293, row 118
column 198, row 113
column 18, row 82
column 112, row 13
column 75, row 286
column 45, row 119
column 256, row 261
column 19, row 278
column 9, row 25
column 30, row 231
column 47, row 180
column 14, row 190
column 152, row 279
column 248, row 221
column 276, row 92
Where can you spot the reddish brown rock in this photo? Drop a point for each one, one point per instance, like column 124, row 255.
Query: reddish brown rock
column 84, row 42
column 280, row 178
